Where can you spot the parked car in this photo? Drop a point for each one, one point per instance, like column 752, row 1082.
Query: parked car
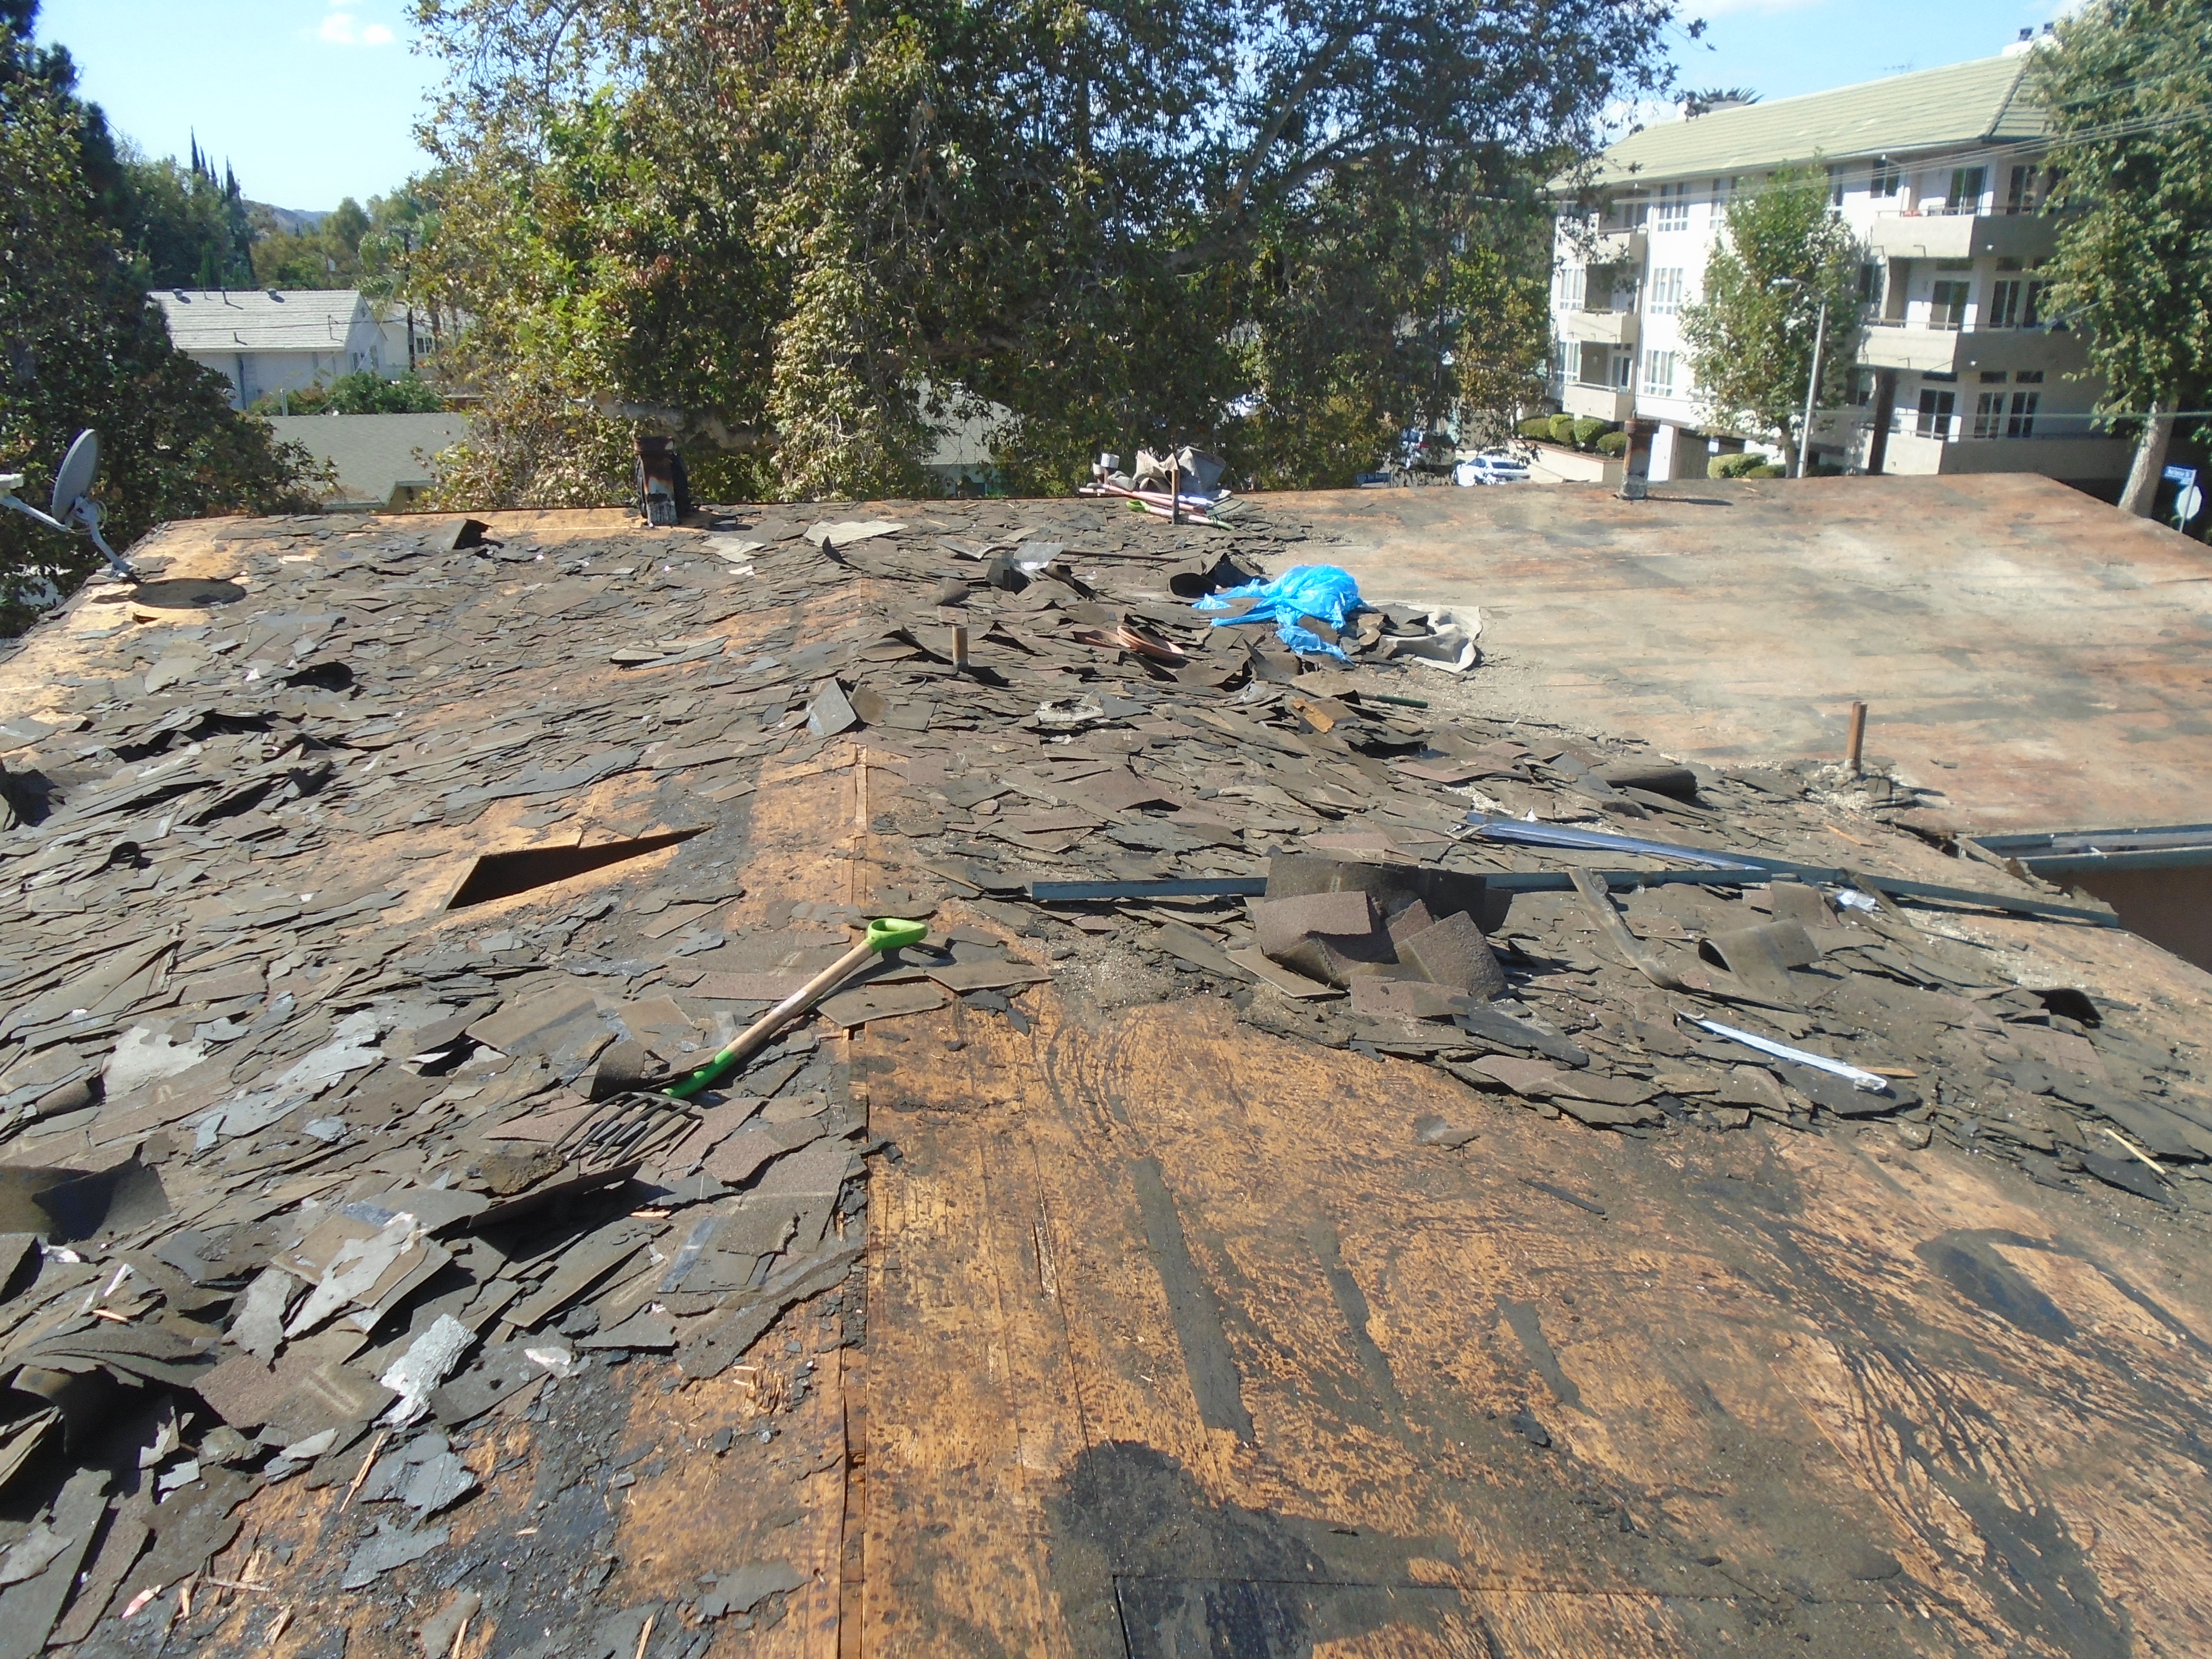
column 1424, row 452
column 1492, row 466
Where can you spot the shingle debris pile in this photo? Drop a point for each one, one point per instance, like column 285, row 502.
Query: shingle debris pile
column 308, row 1179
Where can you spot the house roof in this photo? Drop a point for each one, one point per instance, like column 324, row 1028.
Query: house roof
column 1959, row 104
column 373, row 454
column 205, row 320
column 371, row 879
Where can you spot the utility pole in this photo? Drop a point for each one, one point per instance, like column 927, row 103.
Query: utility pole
column 1812, row 382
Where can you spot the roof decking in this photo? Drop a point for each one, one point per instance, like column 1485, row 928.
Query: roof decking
column 1071, row 1289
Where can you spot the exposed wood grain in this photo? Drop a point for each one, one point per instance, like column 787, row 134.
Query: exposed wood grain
column 1796, row 1385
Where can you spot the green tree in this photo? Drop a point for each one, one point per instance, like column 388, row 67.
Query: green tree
column 2126, row 87
column 772, row 226
column 351, row 247
column 1751, row 334
column 360, row 392
column 183, row 226
column 82, row 346
column 1504, row 333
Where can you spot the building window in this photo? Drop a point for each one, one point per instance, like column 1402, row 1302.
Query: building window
column 1593, row 366
column 1886, row 179
column 2029, row 377
column 2005, row 306
column 2020, row 423
column 1624, row 369
column 2019, row 197
column 1965, row 189
column 1989, row 414
column 1659, row 373
column 1948, row 305
column 1673, row 209
column 2031, row 306
column 1666, row 291
column 1607, row 287
column 1936, row 407
column 1861, row 387
column 1571, row 281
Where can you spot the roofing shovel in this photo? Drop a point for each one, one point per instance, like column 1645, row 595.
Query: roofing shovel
column 881, row 935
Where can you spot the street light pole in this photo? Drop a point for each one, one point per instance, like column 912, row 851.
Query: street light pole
column 1812, row 383
column 1813, row 388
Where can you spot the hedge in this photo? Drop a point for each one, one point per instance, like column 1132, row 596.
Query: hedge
column 1612, row 443
column 1539, row 427
column 1562, row 429
column 1588, row 430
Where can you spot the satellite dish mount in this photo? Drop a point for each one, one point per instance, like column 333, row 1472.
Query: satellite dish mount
column 73, row 504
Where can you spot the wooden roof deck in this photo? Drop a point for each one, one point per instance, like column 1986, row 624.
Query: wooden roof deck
column 1178, row 1340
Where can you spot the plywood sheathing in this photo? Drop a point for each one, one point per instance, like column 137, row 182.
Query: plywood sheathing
column 2024, row 648
column 1169, row 1314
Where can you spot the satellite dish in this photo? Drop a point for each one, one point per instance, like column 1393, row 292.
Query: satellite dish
column 73, row 506
column 74, row 481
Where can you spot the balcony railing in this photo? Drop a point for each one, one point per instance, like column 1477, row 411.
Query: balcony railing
column 2045, row 325
column 1960, row 426
column 1969, row 210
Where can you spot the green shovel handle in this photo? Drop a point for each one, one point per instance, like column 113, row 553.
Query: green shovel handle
column 885, row 933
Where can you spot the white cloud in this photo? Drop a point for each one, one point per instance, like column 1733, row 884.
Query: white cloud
column 342, row 28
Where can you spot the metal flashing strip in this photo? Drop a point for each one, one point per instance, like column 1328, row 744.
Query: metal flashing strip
column 1556, row 881
column 1736, row 868
column 2080, row 852
column 1520, row 833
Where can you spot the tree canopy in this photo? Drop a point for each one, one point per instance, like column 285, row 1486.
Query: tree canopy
column 81, row 346
column 360, row 392
column 2126, row 87
column 783, row 226
column 1751, row 342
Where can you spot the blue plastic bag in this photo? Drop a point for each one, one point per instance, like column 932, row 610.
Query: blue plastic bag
column 1305, row 589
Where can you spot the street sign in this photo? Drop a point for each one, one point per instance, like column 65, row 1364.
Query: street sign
column 2184, row 476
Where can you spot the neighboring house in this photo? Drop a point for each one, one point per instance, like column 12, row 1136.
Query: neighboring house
column 1941, row 175
column 962, row 460
column 383, row 461
column 281, row 340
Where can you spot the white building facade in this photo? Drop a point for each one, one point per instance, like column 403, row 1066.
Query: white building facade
column 273, row 340
column 1940, row 176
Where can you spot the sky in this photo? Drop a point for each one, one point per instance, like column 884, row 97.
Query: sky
column 312, row 100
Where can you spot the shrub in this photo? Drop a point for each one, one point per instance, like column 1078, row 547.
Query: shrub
column 1749, row 464
column 1540, row 428
column 1562, row 429
column 1612, row 443
column 358, row 393
column 1588, row 430
column 1768, row 470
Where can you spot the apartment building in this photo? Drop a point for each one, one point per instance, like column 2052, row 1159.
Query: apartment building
column 1941, row 175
